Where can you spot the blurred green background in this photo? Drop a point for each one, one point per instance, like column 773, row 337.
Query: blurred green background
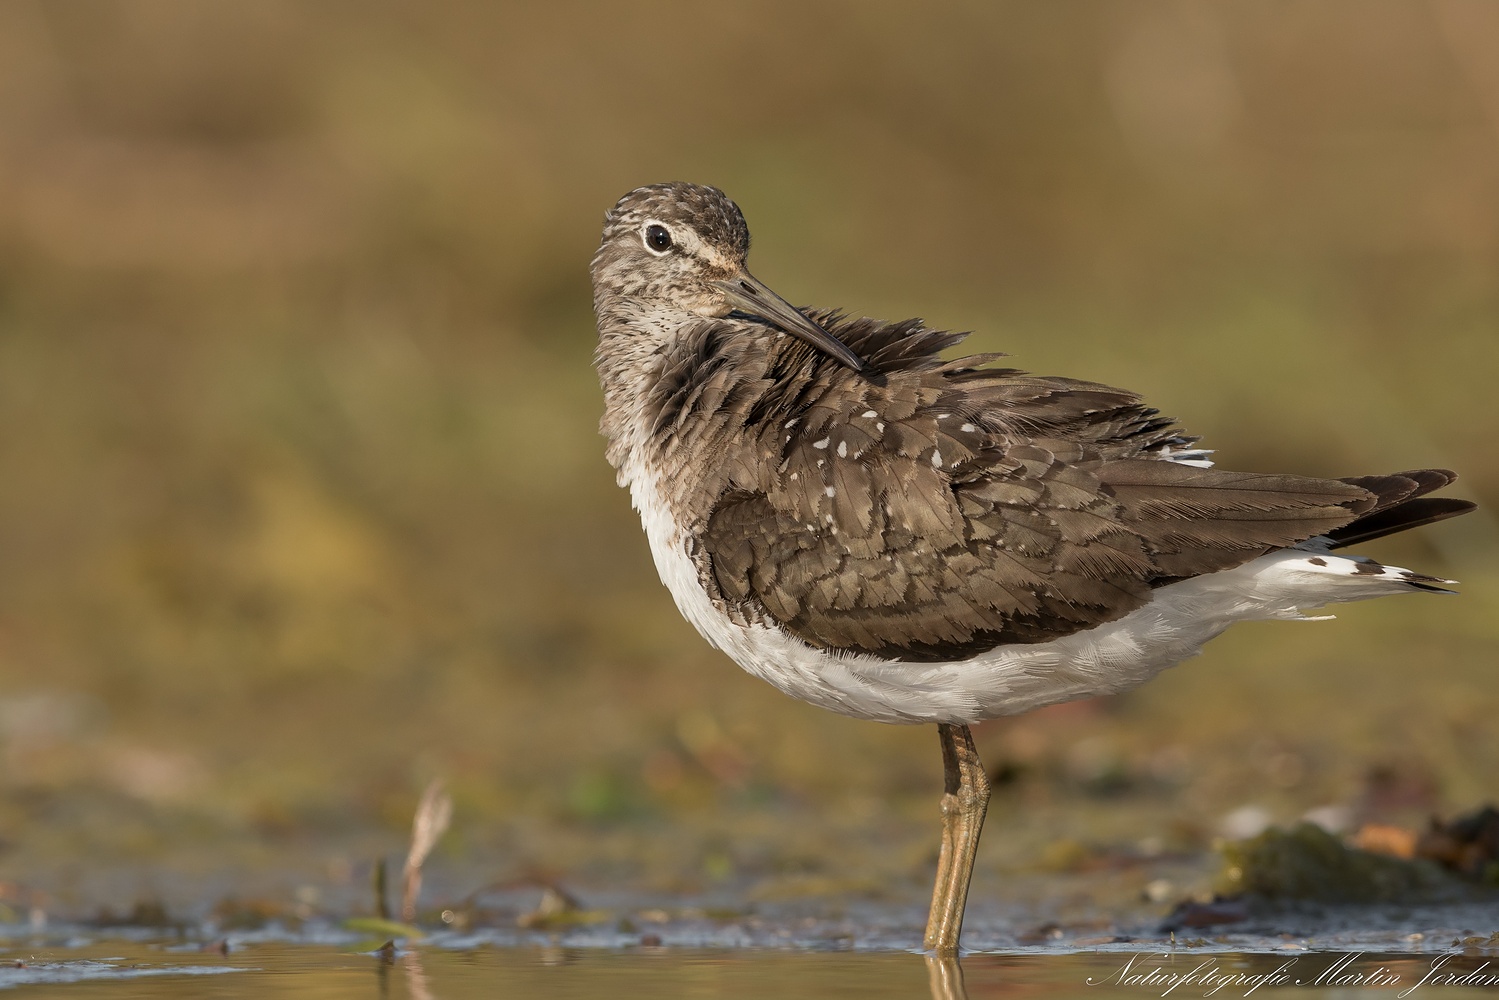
column 303, row 502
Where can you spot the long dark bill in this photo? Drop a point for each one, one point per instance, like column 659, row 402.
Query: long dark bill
column 749, row 294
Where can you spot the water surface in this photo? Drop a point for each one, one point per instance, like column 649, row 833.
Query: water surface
column 330, row 962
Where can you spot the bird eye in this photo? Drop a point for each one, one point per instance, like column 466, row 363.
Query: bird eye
column 657, row 238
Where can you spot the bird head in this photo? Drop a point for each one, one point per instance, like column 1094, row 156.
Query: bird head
column 674, row 248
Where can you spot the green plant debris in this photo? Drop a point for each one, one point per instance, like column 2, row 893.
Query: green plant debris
column 383, row 929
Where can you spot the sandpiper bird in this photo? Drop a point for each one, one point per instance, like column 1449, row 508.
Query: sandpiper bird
column 903, row 538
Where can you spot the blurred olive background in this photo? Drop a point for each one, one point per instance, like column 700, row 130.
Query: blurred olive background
column 303, row 502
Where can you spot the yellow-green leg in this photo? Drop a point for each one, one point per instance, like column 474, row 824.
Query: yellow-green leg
column 965, row 800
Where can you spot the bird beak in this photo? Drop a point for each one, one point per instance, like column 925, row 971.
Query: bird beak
column 749, row 294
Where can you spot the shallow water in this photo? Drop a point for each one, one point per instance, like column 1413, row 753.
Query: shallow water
column 128, row 969
column 1355, row 952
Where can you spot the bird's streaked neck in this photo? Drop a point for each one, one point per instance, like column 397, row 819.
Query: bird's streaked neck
column 652, row 364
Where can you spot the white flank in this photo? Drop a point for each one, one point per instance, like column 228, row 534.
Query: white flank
column 1008, row 680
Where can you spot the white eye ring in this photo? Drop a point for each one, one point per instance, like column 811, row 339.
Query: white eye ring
column 657, row 238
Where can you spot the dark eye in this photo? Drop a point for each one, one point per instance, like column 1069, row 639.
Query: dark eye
column 657, row 238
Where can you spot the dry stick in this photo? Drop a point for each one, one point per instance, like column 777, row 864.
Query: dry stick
column 433, row 813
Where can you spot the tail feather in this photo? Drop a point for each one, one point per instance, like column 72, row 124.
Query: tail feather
column 1410, row 514
column 1400, row 503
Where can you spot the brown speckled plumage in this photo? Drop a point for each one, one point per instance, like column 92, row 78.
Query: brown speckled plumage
column 920, row 509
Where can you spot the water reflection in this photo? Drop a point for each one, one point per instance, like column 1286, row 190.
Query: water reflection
column 416, row 977
column 945, row 978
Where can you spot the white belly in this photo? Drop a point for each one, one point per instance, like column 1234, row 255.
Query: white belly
column 1008, row 680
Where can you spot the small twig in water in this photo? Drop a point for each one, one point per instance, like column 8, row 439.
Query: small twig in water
column 382, row 906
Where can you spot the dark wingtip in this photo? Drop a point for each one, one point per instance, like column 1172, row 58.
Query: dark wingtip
column 1414, row 513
